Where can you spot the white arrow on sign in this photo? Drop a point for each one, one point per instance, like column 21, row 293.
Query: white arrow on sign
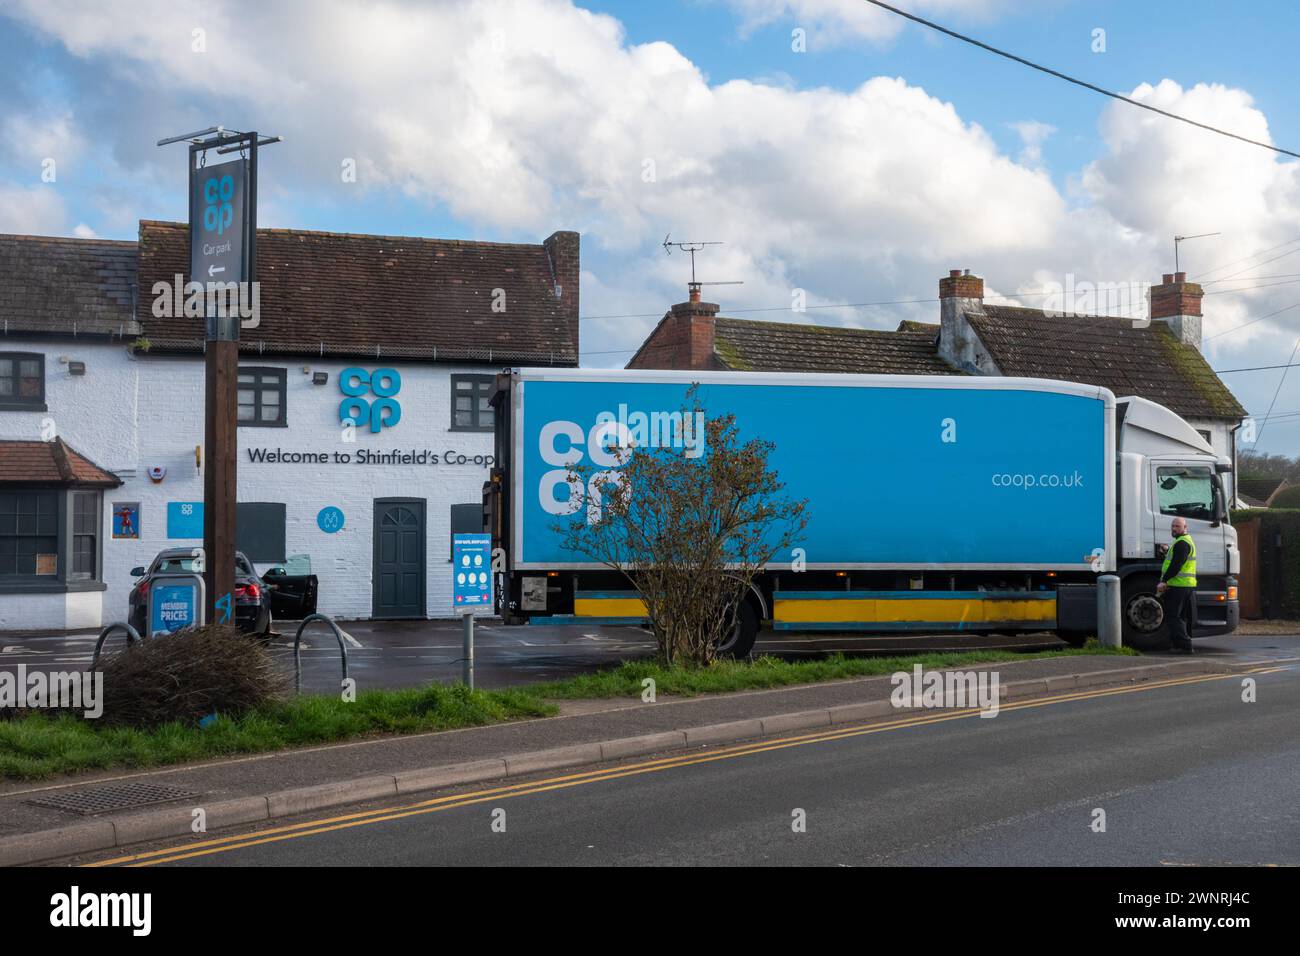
column 213, row 270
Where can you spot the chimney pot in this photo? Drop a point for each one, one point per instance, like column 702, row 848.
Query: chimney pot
column 1168, row 278
column 954, row 273
column 1180, row 276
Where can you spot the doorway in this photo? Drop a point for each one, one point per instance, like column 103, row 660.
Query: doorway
column 400, row 560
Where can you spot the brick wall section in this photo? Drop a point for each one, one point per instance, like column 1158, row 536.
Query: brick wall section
column 563, row 250
column 684, row 339
column 1175, row 296
column 962, row 286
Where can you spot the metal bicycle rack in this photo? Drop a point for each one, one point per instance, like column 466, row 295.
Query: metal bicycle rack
column 297, row 641
column 132, row 635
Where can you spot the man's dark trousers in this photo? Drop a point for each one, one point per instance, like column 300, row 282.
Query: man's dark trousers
column 1179, row 605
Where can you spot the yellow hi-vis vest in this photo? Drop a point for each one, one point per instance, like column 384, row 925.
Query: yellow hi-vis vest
column 1186, row 576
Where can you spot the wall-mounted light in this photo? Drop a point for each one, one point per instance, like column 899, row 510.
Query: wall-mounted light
column 320, row 378
column 76, row 368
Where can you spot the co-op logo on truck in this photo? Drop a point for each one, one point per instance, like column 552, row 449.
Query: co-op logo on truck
column 381, row 412
column 605, row 445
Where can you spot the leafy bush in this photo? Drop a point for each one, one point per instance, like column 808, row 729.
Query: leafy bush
column 188, row 675
column 1287, row 498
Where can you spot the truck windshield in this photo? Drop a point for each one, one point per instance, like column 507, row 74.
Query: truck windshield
column 1185, row 492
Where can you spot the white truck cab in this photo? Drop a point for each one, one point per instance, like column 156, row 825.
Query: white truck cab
column 1167, row 470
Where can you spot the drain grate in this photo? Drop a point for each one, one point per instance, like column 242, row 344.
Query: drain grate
column 102, row 799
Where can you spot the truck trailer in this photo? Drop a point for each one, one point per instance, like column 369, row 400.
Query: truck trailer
column 934, row 503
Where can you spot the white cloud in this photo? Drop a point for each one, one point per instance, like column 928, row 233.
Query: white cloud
column 34, row 210
column 1033, row 134
column 524, row 116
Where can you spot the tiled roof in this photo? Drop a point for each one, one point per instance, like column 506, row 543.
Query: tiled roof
column 748, row 345
column 386, row 296
column 911, row 325
column 50, row 462
column 1261, row 489
column 1148, row 362
column 72, row 286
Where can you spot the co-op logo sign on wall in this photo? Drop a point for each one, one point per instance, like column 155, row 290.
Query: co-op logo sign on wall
column 370, row 397
column 565, row 445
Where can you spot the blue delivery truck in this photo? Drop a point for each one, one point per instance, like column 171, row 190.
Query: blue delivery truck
column 935, row 503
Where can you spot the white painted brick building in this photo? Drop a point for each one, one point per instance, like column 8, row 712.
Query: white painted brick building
column 133, row 411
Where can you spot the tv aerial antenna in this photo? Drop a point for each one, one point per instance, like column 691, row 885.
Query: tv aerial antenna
column 1181, row 239
column 692, row 248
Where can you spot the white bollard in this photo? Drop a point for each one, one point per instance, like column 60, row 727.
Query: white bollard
column 1110, row 627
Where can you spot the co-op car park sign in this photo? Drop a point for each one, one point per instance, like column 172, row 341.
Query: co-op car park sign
column 217, row 223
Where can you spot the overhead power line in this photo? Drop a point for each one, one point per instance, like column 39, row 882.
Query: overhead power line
column 1253, row 368
column 1253, row 255
column 1077, row 82
column 1285, row 308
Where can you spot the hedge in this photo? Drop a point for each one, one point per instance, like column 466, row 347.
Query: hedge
column 1272, row 521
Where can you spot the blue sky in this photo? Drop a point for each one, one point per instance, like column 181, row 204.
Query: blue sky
column 510, row 119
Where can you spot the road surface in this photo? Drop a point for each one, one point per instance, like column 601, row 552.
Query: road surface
column 1185, row 774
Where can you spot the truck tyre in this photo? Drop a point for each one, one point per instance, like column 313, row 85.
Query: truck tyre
column 1142, row 614
column 739, row 638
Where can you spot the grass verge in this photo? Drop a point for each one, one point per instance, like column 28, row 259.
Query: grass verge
column 765, row 672
column 35, row 746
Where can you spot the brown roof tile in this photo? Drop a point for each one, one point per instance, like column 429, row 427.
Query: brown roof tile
column 388, row 296
column 1148, row 362
column 50, row 462
column 748, row 345
column 72, row 286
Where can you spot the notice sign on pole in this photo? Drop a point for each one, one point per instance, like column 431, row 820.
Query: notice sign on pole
column 219, row 228
column 471, row 576
column 175, row 602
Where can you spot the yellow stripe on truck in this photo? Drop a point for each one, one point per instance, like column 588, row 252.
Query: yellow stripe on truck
column 608, row 607
column 921, row 611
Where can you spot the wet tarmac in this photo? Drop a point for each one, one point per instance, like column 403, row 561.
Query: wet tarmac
column 393, row 654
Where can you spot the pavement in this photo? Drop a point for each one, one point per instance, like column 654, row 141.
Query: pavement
column 258, row 789
column 396, row 654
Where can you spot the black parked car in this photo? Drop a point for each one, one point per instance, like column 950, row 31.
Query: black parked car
column 258, row 599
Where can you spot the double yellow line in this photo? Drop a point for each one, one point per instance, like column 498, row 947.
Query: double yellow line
column 346, row 821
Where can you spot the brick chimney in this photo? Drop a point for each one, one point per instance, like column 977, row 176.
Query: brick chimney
column 959, row 346
column 1177, row 303
column 684, row 337
column 562, row 248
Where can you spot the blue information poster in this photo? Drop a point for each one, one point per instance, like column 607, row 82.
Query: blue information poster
column 174, row 605
column 471, row 575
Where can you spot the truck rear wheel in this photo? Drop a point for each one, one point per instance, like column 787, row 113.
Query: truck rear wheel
column 742, row 632
column 1143, row 615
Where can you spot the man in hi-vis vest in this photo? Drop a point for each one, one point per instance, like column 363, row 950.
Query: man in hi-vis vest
column 1177, row 587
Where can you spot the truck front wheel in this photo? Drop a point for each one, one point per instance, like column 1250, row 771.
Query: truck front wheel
column 742, row 631
column 1143, row 615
